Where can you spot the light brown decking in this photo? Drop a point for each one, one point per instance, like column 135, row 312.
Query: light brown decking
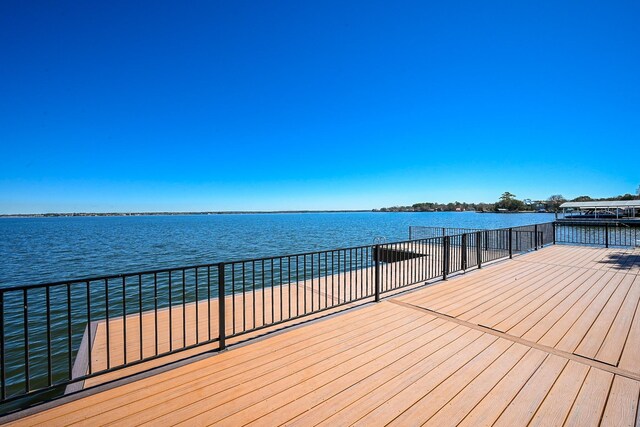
column 549, row 338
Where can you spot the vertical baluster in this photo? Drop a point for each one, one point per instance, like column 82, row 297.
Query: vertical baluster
column 25, row 320
column 69, row 334
column 297, row 286
column 221, row 309
column 344, row 275
column 464, row 252
column 304, row 281
column 361, row 270
column 351, row 284
column 370, row 271
column 339, row 301
column 170, row 311
column 253, row 290
column 49, row 352
column 90, row 340
column 289, row 283
column 312, row 284
column 155, row 309
column 244, row 297
column 184, row 309
column 209, row 303
column 394, row 280
column 445, row 258
column 319, row 280
column 264, row 318
column 326, row 279
column 197, row 340
column 124, row 317
column 107, row 321
column 233, row 298
column 140, row 315
column 280, row 282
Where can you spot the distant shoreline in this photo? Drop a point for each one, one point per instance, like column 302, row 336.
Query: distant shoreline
column 119, row 214
column 97, row 214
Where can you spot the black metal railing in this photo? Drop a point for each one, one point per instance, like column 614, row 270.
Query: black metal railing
column 269, row 291
column 523, row 237
column 614, row 234
column 55, row 336
column 59, row 334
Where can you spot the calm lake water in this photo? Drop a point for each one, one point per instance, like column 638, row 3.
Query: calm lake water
column 34, row 250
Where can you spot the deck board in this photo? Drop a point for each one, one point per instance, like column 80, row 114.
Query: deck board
column 589, row 404
column 398, row 363
column 525, row 403
column 487, row 411
column 587, row 309
column 622, row 406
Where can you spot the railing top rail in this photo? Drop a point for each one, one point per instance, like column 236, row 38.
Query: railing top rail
column 430, row 227
column 480, row 229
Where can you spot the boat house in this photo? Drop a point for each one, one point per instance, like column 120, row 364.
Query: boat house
column 616, row 209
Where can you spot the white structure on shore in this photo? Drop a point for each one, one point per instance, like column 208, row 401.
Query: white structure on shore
column 602, row 209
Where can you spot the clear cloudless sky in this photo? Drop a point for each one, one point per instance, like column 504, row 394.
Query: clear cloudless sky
column 267, row 105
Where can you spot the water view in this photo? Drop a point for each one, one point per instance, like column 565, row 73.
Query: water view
column 35, row 250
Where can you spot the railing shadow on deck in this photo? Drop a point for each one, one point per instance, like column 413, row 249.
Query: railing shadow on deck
column 622, row 261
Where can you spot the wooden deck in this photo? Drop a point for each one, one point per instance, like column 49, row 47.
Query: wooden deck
column 549, row 338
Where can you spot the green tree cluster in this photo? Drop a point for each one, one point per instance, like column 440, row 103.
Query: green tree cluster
column 509, row 202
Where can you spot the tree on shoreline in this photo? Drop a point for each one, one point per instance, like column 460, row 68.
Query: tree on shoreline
column 554, row 202
column 509, row 202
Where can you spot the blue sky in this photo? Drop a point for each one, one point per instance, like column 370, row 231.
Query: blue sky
column 148, row 106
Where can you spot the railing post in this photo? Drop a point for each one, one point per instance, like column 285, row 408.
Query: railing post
column 553, row 226
column 221, row 308
column 535, row 236
column 606, row 235
column 479, row 248
column 445, row 257
column 376, row 271
column 410, row 232
column 464, row 252
column 510, row 243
